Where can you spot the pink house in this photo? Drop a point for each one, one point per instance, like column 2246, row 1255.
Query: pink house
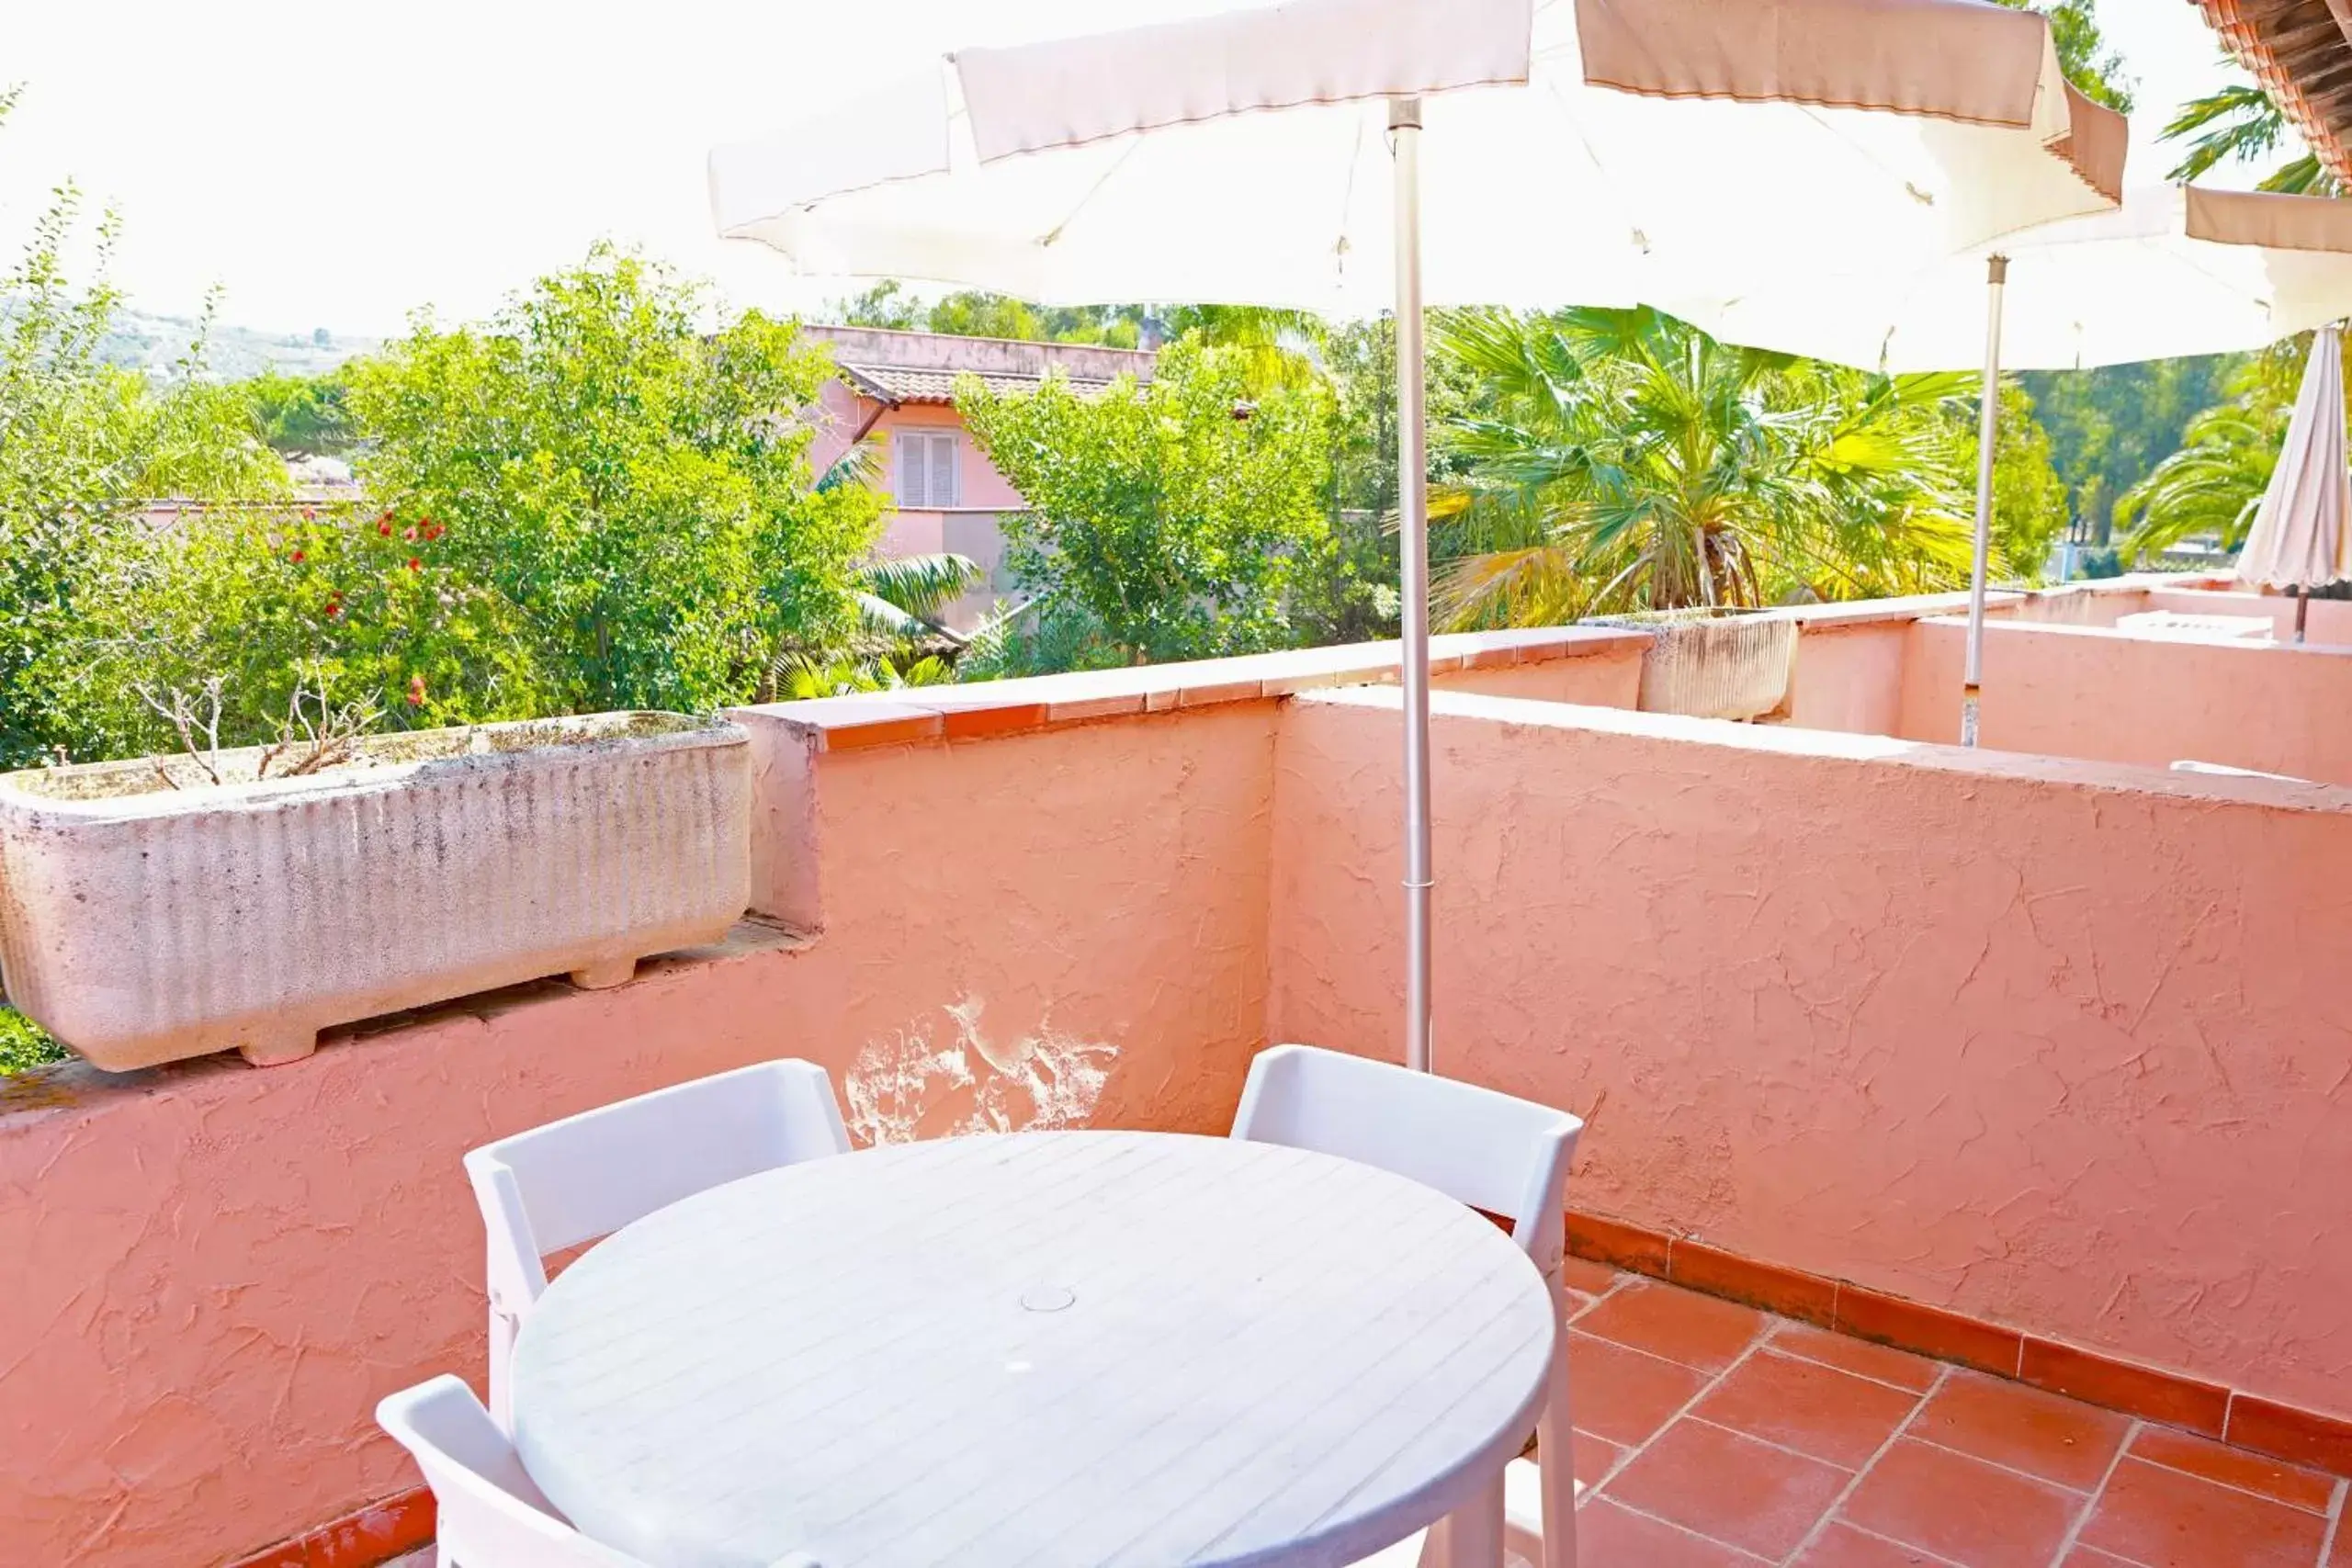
column 899, row 389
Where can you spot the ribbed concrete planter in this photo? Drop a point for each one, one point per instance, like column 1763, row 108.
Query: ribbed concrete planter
column 1728, row 667
column 140, row 923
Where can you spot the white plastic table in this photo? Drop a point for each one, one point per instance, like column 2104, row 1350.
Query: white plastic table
column 1056, row 1348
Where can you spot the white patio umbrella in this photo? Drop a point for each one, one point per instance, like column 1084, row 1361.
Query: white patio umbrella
column 1575, row 147
column 2299, row 540
column 2177, row 269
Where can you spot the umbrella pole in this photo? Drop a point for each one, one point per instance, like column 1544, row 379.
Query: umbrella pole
column 1413, row 563
column 1988, row 431
column 2302, row 607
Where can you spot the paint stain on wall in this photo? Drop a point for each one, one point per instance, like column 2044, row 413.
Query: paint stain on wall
column 943, row 1075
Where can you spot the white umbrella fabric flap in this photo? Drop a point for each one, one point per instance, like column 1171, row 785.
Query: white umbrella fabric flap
column 2297, row 541
column 2176, row 270
column 1577, row 151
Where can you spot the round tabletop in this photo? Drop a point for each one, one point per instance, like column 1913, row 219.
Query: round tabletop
column 1037, row 1348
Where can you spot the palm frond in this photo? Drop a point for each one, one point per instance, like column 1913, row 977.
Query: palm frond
column 919, row 586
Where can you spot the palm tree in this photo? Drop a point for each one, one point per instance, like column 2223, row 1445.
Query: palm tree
column 2211, row 486
column 1623, row 460
column 2240, row 123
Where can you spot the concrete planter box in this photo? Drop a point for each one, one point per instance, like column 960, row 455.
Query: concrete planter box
column 140, row 923
column 1727, row 667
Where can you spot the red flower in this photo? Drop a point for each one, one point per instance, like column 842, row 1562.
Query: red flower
column 334, row 608
column 417, row 691
column 296, row 557
column 409, row 533
column 413, row 563
column 385, row 528
column 433, row 531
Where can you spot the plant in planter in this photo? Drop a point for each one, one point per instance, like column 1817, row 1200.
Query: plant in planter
column 247, row 897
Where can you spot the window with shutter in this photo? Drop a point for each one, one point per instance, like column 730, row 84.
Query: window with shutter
column 926, row 469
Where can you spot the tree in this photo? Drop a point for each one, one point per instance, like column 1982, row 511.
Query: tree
column 300, row 415
column 2209, row 487
column 2030, row 511
column 977, row 313
column 2239, row 123
column 82, row 444
column 636, row 493
column 2109, row 426
column 2096, row 70
column 1176, row 516
column 1622, row 459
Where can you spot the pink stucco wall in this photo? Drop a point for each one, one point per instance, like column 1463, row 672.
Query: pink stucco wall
column 2053, row 1044
column 2056, row 1044
column 2326, row 621
column 1848, row 677
column 2092, row 693
column 214, row 1272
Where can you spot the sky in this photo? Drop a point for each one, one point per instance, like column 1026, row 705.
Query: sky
column 341, row 166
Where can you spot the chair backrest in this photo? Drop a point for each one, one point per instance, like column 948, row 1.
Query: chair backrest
column 587, row 1176
column 490, row 1516
column 1489, row 1150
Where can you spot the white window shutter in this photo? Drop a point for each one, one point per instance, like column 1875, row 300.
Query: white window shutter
column 912, row 450
column 943, row 477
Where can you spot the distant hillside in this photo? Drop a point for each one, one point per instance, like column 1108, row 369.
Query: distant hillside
column 153, row 343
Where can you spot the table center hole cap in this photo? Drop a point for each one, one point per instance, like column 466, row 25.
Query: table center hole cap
column 1047, row 1298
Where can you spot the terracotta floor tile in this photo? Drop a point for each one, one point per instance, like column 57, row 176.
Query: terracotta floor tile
column 1682, row 1325
column 1624, row 1395
column 1586, row 1276
column 1730, row 1488
column 2234, row 1467
column 1843, row 1546
column 2164, row 1518
column 1595, row 1456
column 1804, row 1405
column 2092, row 1557
column 2046, row 1435
column 1857, row 1356
column 1611, row 1537
column 1963, row 1509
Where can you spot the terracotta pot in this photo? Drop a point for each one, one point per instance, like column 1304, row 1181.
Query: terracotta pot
column 141, row 923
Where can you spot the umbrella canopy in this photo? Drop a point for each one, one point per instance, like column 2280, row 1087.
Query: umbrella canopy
column 1575, row 148
column 2298, row 540
column 2176, row 270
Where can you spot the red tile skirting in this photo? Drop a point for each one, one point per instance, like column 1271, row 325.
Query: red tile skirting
column 2243, row 1420
column 2300, row 1436
column 1805, row 1297
column 1931, row 1331
column 2200, row 1407
column 1627, row 1246
column 369, row 1538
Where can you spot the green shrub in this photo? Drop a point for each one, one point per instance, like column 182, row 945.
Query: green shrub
column 24, row 1044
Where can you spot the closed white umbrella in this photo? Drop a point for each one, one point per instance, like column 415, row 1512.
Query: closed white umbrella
column 1577, row 150
column 2177, row 269
column 2298, row 540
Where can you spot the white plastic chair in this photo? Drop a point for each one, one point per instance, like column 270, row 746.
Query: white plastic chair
column 490, row 1515
column 1490, row 1151
column 587, row 1176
